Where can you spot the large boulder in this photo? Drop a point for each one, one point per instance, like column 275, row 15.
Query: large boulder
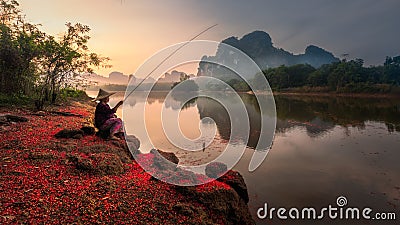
column 121, row 152
column 224, row 203
column 216, row 169
column 108, row 164
column 235, row 180
column 133, row 143
column 164, row 160
column 98, row 164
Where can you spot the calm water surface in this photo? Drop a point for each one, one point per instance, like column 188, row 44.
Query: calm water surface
column 324, row 147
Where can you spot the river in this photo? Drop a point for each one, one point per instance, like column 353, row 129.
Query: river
column 324, row 147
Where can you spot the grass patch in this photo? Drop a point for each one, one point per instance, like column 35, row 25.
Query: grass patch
column 15, row 100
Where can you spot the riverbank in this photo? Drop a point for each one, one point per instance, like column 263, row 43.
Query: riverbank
column 335, row 94
column 85, row 179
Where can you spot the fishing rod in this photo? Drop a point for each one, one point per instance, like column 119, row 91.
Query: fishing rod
column 169, row 56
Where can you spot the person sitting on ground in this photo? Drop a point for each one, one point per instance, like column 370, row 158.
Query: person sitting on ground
column 104, row 118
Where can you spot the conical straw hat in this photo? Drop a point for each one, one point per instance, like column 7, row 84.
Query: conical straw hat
column 103, row 94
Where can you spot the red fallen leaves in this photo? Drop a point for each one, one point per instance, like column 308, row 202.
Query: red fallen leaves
column 38, row 184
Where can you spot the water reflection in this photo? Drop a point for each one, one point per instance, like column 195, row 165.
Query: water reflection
column 320, row 114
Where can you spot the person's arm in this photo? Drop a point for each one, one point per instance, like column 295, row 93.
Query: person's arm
column 118, row 105
column 105, row 109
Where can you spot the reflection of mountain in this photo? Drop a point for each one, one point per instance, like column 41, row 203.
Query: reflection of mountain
column 211, row 108
column 318, row 115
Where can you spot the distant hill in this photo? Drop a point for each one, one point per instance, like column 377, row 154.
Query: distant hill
column 116, row 78
column 117, row 81
column 258, row 46
column 113, row 78
column 173, row 77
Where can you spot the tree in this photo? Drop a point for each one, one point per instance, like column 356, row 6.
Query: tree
column 392, row 70
column 319, row 77
column 298, row 74
column 185, row 84
column 33, row 61
column 346, row 73
column 64, row 60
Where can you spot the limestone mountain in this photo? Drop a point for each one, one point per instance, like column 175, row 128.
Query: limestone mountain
column 259, row 47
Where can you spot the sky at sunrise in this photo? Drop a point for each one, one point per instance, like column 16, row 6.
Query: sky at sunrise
column 130, row 31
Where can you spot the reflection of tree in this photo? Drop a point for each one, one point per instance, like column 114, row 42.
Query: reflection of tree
column 317, row 115
column 181, row 97
column 341, row 111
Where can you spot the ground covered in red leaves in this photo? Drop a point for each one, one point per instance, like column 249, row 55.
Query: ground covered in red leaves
column 45, row 180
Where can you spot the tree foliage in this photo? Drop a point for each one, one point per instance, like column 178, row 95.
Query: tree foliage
column 343, row 76
column 35, row 63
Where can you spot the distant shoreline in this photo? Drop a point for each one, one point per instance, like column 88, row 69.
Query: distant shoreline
column 283, row 93
column 334, row 94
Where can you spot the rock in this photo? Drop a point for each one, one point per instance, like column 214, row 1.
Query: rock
column 88, row 130
column 77, row 136
column 67, row 133
column 3, row 120
column 224, row 202
column 133, row 143
column 176, row 175
column 13, row 118
column 6, row 119
column 108, row 164
column 216, row 169
column 167, row 155
column 83, row 164
column 60, row 146
column 99, row 164
column 123, row 154
column 191, row 211
column 184, row 209
column 235, row 180
column 164, row 160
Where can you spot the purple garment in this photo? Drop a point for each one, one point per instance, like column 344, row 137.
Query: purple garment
column 114, row 125
column 102, row 114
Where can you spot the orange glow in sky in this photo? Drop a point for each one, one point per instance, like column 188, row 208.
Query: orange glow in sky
column 130, row 31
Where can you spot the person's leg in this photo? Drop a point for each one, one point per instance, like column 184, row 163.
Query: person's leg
column 116, row 126
column 113, row 125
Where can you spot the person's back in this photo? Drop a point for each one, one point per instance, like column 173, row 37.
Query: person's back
column 102, row 114
column 104, row 117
